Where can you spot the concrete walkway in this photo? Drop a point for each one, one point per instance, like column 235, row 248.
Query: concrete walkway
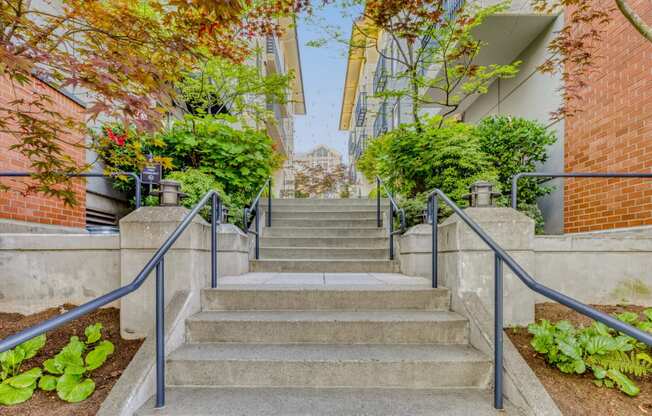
column 315, row 280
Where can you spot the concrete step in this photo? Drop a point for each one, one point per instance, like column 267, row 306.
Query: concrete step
column 328, row 327
column 207, row 401
column 324, row 232
column 319, row 366
column 323, row 253
column 315, row 221
column 323, row 202
column 302, row 299
column 288, row 214
column 327, row 208
column 324, row 266
column 349, row 242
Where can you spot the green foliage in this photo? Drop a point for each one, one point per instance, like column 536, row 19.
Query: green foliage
column 195, row 184
column 68, row 372
column 610, row 355
column 239, row 160
column 446, row 154
column 516, row 145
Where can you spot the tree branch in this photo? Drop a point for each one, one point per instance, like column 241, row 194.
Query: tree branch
column 639, row 24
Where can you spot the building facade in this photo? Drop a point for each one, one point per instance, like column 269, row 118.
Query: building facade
column 611, row 133
column 327, row 158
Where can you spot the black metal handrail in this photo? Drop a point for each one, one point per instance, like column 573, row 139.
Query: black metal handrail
column 393, row 209
column 254, row 207
column 552, row 175
column 500, row 257
column 86, row 175
column 156, row 262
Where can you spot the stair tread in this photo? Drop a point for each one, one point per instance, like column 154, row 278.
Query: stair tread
column 204, row 401
column 254, row 288
column 328, row 353
column 329, row 316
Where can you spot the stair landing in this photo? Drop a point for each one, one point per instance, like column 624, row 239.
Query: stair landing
column 315, row 280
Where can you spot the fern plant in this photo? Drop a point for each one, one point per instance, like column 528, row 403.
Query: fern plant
column 610, row 355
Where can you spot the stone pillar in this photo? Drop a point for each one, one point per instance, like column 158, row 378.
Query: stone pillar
column 187, row 264
column 466, row 264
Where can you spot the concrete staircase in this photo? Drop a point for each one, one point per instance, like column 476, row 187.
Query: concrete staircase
column 324, row 235
column 327, row 351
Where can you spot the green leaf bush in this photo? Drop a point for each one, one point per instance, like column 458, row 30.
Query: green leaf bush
column 68, row 372
column 610, row 355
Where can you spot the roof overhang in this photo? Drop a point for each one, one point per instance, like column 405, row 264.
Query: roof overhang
column 360, row 34
column 290, row 44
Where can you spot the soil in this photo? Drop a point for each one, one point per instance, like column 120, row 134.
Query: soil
column 48, row 403
column 576, row 395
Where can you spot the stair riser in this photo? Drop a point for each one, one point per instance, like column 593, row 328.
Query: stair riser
column 325, row 215
column 326, row 300
column 318, row 222
column 361, row 374
column 336, row 242
column 328, row 332
column 293, row 232
column 324, row 253
column 319, row 266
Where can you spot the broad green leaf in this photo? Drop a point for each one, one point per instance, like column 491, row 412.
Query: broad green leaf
column 628, row 317
column 25, row 379
column 564, row 326
column 624, row 383
column 623, row 343
column 47, row 383
column 600, row 344
column 71, row 388
column 644, row 357
column 570, row 348
column 33, row 346
column 93, row 333
column 98, row 356
column 580, row 367
column 11, row 360
column 66, row 360
column 52, row 366
column 11, row 395
column 600, row 328
column 599, row 372
column 542, row 343
column 74, row 346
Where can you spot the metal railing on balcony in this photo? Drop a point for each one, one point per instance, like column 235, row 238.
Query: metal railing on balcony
column 271, row 49
column 381, row 75
column 361, row 109
column 380, row 124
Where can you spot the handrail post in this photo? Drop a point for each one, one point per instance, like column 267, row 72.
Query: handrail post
column 515, row 190
column 390, row 226
column 160, row 333
column 434, row 213
column 215, row 208
column 138, row 191
column 378, row 220
column 257, row 233
column 269, row 203
column 498, row 333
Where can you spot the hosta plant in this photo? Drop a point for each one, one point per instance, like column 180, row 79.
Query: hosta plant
column 17, row 387
column 69, row 371
column 610, row 355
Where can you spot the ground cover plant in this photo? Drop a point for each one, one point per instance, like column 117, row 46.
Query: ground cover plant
column 69, row 372
column 612, row 357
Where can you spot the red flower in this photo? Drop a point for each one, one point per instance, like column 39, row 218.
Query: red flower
column 117, row 139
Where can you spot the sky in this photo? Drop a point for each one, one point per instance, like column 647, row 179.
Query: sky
column 323, row 69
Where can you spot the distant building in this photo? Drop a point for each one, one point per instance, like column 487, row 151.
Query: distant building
column 322, row 155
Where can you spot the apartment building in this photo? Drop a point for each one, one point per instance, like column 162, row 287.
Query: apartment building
column 99, row 202
column 329, row 159
column 611, row 134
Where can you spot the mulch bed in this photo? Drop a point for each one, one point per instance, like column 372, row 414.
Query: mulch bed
column 576, row 395
column 47, row 403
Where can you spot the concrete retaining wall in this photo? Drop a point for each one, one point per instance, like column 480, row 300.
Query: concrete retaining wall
column 40, row 271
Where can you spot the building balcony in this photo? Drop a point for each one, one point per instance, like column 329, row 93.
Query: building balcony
column 380, row 124
column 381, row 75
column 274, row 59
column 361, row 109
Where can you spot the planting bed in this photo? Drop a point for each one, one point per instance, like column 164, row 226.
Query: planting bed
column 47, row 403
column 576, row 395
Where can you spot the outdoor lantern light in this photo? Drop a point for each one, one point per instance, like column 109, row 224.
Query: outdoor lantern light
column 170, row 193
column 482, row 195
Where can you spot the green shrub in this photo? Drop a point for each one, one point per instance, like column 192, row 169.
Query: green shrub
column 516, row 145
column 446, row 155
column 195, row 184
column 610, row 355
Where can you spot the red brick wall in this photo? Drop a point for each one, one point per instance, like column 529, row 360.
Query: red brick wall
column 36, row 207
column 613, row 134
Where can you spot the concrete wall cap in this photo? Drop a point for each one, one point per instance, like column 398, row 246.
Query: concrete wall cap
column 59, row 242
column 160, row 214
column 230, row 229
column 486, row 215
column 419, row 229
